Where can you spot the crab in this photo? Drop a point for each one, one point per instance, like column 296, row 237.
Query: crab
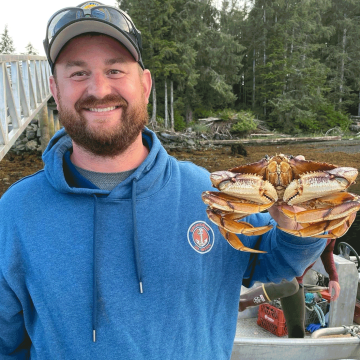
column 319, row 188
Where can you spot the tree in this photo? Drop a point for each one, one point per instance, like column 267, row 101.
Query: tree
column 6, row 42
column 30, row 50
column 342, row 53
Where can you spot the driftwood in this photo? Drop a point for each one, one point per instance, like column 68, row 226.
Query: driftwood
column 272, row 141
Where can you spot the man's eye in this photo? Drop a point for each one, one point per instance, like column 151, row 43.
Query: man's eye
column 78, row 74
column 114, row 73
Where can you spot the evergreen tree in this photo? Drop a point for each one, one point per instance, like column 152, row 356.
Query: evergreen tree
column 30, row 50
column 342, row 53
column 6, row 42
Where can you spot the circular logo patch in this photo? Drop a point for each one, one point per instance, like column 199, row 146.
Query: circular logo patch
column 200, row 237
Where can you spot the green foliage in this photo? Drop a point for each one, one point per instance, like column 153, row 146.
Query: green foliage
column 30, row 50
column 202, row 113
column 284, row 60
column 327, row 118
column 6, row 42
column 227, row 114
column 244, row 121
column 200, row 128
column 179, row 122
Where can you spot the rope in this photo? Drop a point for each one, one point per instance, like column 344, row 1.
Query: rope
column 311, row 305
column 352, row 330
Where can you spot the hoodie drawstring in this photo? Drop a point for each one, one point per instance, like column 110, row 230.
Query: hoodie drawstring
column 94, row 314
column 136, row 252
column 136, row 241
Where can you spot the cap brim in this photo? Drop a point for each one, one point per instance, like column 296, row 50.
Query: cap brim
column 82, row 27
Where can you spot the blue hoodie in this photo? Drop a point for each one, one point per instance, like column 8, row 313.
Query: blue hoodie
column 141, row 264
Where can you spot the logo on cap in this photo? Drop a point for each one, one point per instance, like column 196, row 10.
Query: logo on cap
column 90, row 4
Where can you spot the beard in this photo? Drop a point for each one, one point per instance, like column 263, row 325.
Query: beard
column 101, row 141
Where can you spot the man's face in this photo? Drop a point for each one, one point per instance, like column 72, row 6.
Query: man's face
column 101, row 94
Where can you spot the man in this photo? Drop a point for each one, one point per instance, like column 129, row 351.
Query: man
column 107, row 253
column 291, row 294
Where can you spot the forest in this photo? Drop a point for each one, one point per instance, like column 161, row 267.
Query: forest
column 294, row 65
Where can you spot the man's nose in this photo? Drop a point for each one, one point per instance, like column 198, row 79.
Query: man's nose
column 99, row 86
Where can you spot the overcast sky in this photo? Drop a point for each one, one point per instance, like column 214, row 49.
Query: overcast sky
column 27, row 20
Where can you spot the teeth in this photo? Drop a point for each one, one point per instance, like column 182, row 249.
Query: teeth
column 103, row 109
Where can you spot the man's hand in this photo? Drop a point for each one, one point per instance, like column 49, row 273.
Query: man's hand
column 282, row 220
column 334, row 285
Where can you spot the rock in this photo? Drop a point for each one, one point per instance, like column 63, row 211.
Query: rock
column 32, row 145
column 20, row 147
column 30, row 134
column 190, row 142
column 170, row 137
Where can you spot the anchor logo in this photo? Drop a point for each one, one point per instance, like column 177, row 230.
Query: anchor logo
column 201, row 237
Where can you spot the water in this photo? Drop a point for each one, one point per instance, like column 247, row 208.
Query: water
column 352, row 236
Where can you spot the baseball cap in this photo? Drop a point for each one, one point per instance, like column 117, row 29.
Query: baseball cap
column 91, row 16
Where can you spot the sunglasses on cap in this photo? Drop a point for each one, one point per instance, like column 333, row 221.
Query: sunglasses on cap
column 91, row 17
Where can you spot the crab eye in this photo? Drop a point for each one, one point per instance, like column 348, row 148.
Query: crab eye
column 267, row 157
column 291, row 156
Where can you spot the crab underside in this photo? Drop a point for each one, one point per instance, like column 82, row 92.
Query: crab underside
column 318, row 188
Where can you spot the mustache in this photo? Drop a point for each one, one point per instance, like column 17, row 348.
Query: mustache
column 107, row 101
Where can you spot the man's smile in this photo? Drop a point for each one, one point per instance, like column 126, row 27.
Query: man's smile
column 103, row 109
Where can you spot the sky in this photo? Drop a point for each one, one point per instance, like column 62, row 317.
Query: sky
column 27, row 20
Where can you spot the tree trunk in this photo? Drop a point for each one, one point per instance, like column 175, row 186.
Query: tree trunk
column 253, row 92
column 166, row 118
column 153, row 116
column 51, row 123
column 264, row 60
column 342, row 67
column 188, row 117
column 44, row 127
column 359, row 105
column 172, row 105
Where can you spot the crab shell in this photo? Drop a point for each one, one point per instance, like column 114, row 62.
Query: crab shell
column 318, row 187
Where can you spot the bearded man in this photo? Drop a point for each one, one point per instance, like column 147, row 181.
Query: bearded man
column 107, row 253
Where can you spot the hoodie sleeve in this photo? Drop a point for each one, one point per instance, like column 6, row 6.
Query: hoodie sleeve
column 286, row 256
column 14, row 341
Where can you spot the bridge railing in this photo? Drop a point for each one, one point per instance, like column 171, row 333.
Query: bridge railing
column 24, row 90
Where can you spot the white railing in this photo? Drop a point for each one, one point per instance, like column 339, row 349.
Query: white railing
column 24, row 90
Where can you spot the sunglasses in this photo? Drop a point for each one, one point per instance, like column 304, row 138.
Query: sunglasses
column 106, row 14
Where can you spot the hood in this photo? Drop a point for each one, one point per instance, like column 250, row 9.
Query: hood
column 149, row 182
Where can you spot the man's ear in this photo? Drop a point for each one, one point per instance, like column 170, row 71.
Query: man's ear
column 54, row 90
column 147, row 83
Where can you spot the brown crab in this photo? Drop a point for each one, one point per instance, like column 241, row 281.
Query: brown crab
column 281, row 179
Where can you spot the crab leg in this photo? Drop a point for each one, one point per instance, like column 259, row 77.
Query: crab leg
column 230, row 203
column 226, row 222
column 336, row 212
column 341, row 230
column 235, row 242
column 317, row 229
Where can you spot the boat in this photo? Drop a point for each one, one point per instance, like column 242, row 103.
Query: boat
column 339, row 340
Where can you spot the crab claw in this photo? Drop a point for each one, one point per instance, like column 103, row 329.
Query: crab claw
column 245, row 186
column 230, row 203
column 318, row 184
column 235, row 242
